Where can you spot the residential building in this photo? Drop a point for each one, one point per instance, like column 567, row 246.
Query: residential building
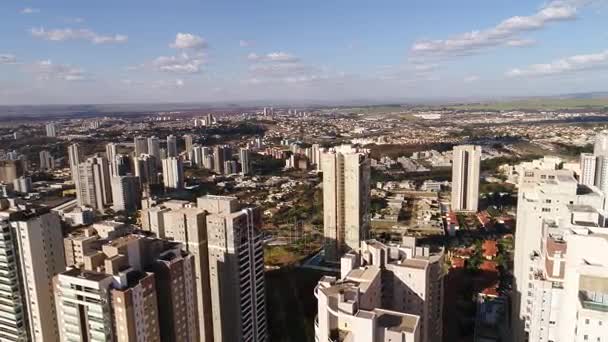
column 588, row 167
column 385, row 293
column 111, row 154
column 141, row 145
column 11, row 170
column 244, row 160
column 47, row 162
column 23, row 184
column 189, row 226
column 13, row 325
column 126, row 193
column 50, row 130
column 38, row 245
column 558, row 260
column 173, row 173
column 93, row 186
column 220, row 155
column 154, row 149
column 466, row 162
column 188, row 142
column 171, row 146
column 346, row 199
column 129, row 288
column 236, row 270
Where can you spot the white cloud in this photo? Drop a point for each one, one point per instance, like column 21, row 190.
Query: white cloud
column 246, row 43
column 188, row 41
column 280, row 57
column 184, row 63
column 47, row 70
column 76, row 34
column 470, row 79
column 504, row 33
column 166, row 84
column 521, row 42
column 7, row 59
column 564, row 65
column 30, row 10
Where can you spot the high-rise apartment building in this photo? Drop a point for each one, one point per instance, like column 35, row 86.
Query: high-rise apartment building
column 74, row 159
column 560, row 264
column 47, row 162
column 50, row 130
column 386, row 293
column 126, row 193
column 208, row 158
column 588, row 167
column 11, row 170
column 196, row 156
column 38, row 243
column 141, row 145
column 128, row 288
column 188, row 142
column 111, row 153
column 466, row 162
column 13, row 325
column 346, row 199
column 146, row 169
column 173, row 173
column 244, row 160
column 154, row 148
column 93, row 187
column 236, row 270
column 171, row 146
column 220, row 155
column 189, row 226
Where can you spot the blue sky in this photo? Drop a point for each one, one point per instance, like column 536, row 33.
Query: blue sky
column 69, row 51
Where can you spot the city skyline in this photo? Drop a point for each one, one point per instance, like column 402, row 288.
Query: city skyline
column 234, row 51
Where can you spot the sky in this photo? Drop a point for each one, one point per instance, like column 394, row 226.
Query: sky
column 149, row 51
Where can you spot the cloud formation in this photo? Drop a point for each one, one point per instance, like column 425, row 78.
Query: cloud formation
column 47, row 70
column 246, row 43
column 30, row 10
column 60, row 35
column 183, row 63
column 189, row 41
column 280, row 57
column 7, row 58
column 505, row 33
column 564, row 65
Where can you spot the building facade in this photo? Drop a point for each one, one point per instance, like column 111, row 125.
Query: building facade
column 346, row 199
column 466, row 162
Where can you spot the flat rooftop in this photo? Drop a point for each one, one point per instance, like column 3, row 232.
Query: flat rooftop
column 396, row 321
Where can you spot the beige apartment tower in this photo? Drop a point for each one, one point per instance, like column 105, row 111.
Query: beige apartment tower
column 346, row 188
column 236, row 270
column 466, row 162
column 40, row 248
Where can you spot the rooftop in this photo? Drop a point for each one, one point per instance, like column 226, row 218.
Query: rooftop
column 396, row 321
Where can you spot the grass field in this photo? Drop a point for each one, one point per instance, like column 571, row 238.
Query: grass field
column 537, row 104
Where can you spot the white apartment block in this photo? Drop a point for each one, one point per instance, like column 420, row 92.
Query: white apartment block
column 466, row 162
column 588, row 163
column 346, row 191
column 51, row 130
column 84, row 309
column 173, row 173
column 394, row 292
column 560, row 265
